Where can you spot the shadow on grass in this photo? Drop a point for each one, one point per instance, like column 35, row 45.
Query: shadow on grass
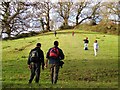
column 12, row 85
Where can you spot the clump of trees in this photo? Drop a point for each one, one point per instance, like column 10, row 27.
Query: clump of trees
column 17, row 17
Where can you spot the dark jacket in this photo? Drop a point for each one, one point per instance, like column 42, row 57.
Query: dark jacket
column 40, row 54
column 86, row 41
column 55, row 60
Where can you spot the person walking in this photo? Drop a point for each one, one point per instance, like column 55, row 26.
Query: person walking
column 55, row 55
column 95, row 45
column 86, row 41
column 55, row 33
column 35, row 60
column 73, row 33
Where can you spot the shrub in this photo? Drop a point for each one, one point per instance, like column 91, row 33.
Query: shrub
column 65, row 27
column 23, row 35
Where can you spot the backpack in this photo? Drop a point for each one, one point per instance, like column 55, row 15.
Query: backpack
column 34, row 57
column 54, row 52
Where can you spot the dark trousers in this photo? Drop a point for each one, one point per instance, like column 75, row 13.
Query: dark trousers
column 35, row 71
column 54, row 68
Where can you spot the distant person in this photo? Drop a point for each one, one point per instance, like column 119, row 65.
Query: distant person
column 54, row 55
column 86, row 41
column 55, row 33
column 35, row 60
column 95, row 45
column 73, row 33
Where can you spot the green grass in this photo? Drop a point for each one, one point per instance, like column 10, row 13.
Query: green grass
column 81, row 69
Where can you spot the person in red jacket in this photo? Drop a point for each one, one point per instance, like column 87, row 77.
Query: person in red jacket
column 54, row 55
column 73, row 33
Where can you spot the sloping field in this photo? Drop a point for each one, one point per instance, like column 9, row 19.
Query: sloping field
column 81, row 69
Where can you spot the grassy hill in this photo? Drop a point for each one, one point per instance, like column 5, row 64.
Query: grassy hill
column 81, row 69
column 103, row 27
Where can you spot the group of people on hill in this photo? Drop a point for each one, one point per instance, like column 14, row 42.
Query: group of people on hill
column 54, row 55
column 95, row 45
column 86, row 41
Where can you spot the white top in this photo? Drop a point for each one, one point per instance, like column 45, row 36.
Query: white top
column 95, row 45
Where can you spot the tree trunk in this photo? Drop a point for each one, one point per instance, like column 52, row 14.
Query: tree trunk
column 47, row 24
column 77, row 17
column 65, row 23
column 48, row 19
column 8, row 31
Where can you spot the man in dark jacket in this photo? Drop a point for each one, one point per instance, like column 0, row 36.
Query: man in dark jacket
column 86, row 41
column 35, row 64
column 54, row 55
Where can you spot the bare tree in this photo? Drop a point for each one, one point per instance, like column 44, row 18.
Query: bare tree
column 64, row 9
column 8, row 12
column 95, row 12
column 44, row 8
column 85, row 10
column 78, row 8
column 47, row 9
column 114, row 9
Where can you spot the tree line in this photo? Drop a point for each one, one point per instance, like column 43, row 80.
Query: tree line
column 17, row 17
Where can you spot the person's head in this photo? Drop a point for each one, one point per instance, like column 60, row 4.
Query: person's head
column 95, row 41
column 38, row 45
column 56, row 43
column 86, row 37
